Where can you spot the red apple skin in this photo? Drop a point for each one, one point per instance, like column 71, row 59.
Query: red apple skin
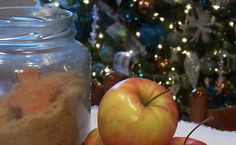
column 93, row 138
column 190, row 141
column 123, row 119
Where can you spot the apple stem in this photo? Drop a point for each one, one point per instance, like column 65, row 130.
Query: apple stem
column 162, row 93
column 201, row 123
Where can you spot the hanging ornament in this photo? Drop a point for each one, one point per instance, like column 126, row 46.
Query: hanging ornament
column 151, row 34
column 222, row 87
column 192, row 68
column 174, row 82
column 145, row 5
column 162, row 66
column 106, row 53
column 208, row 65
column 174, row 38
column 222, row 92
column 199, row 20
column 93, row 33
column 174, row 56
column 122, row 61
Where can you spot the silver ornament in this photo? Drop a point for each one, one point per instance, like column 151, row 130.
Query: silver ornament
column 174, row 82
column 192, row 68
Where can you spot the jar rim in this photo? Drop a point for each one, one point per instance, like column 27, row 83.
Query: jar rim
column 33, row 16
column 26, row 24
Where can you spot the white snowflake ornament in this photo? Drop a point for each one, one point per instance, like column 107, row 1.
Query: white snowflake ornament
column 200, row 22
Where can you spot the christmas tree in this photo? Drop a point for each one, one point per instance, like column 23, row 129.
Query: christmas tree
column 181, row 44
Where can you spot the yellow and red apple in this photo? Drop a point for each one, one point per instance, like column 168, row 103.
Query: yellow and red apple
column 137, row 111
column 190, row 141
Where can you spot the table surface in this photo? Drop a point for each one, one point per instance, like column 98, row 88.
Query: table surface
column 206, row 134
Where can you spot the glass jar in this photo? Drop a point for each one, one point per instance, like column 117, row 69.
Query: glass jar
column 44, row 78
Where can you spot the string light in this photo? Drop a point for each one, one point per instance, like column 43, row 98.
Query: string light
column 94, row 74
column 107, row 70
column 216, row 7
column 186, row 11
column 178, row 48
column 86, row 1
column 159, row 46
column 162, row 19
column 188, row 7
column 231, row 24
column 98, row 45
column 156, row 14
column 215, row 52
column 155, row 56
column 188, row 53
column 138, row 34
column 173, row 69
column 184, row 40
column 147, row 3
column 100, row 35
column 180, row 23
column 171, row 26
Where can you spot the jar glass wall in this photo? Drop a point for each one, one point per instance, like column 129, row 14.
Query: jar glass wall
column 44, row 78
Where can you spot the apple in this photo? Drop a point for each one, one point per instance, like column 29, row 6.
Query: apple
column 190, row 141
column 93, row 138
column 137, row 111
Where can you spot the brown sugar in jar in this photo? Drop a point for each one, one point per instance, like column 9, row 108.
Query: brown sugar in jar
column 44, row 79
